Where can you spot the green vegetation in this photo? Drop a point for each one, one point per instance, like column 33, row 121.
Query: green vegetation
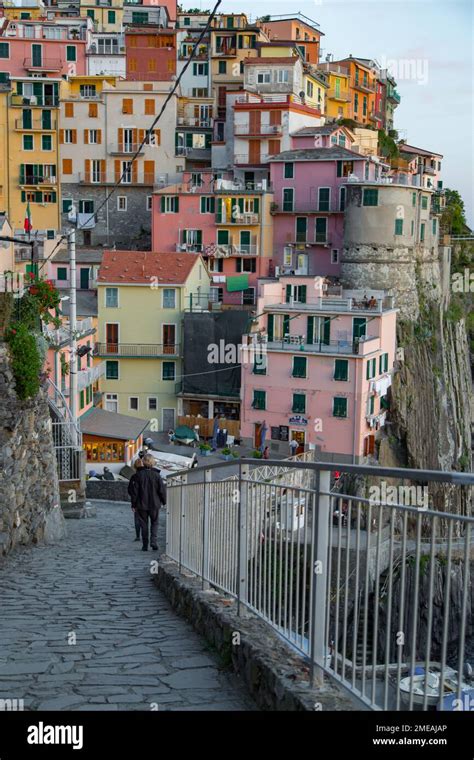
column 387, row 145
column 453, row 218
column 26, row 360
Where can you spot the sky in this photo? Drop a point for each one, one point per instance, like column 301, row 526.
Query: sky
column 428, row 43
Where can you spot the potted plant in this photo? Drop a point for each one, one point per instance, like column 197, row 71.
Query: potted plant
column 257, row 454
column 205, row 449
column 226, row 454
column 235, row 454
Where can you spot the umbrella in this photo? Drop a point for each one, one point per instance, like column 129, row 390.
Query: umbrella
column 214, row 433
column 263, row 435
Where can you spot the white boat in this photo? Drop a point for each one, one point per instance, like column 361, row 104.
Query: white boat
column 429, row 684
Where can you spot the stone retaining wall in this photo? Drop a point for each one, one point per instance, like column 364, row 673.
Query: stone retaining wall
column 107, row 490
column 275, row 676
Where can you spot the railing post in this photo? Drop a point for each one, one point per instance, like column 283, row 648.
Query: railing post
column 205, row 528
column 320, row 574
column 184, row 480
column 242, row 558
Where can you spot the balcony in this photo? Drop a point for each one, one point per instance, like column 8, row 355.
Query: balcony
column 62, row 335
column 46, row 64
column 190, row 121
column 225, row 52
column 361, row 85
column 225, row 251
column 244, row 159
column 393, row 96
column 241, row 219
column 189, row 248
column 342, row 96
column 334, row 305
column 297, row 343
column 123, row 149
column 261, row 129
column 35, row 124
column 32, row 180
column 137, row 350
column 30, row 101
column 87, row 377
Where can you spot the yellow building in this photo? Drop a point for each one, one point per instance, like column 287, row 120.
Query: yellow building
column 18, row 12
column 29, row 122
column 142, row 297
column 107, row 16
column 338, row 96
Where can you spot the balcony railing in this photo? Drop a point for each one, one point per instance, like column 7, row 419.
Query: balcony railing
column 394, row 96
column 299, row 344
column 338, row 94
column 35, row 124
column 120, row 149
column 33, row 180
column 46, row 64
column 260, row 129
column 192, row 121
column 132, row 350
column 222, row 52
column 245, row 218
column 30, row 101
column 390, row 562
column 359, row 84
column 222, row 251
column 245, row 159
column 189, row 247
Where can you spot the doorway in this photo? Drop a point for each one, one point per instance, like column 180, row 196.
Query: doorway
column 85, row 272
column 112, row 337
column 257, row 435
column 168, row 419
column 300, row 437
column 169, row 339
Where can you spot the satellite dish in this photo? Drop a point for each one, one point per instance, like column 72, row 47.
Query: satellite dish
column 302, row 94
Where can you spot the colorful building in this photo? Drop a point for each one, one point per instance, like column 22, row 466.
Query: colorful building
column 42, row 47
column 106, row 16
column 151, row 54
column 230, row 225
column 298, row 29
column 142, row 298
column 309, row 186
column 338, row 96
column 322, row 370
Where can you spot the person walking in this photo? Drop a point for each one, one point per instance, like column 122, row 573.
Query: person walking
column 138, row 465
column 293, row 446
column 148, row 492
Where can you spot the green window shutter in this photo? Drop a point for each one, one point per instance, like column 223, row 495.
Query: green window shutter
column 370, row 196
column 270, row 322
column 238, row 265
column 302, row 297
column 339, row 169
column 256, row 205
column 70, row 53
column 413, row 199
column 38, row 91
column 309, row 330
column 46, row 119
column 111, row 17
column 339, row 407
column 326, row 331
column 371, row 404
column 299, row 366
column 222, row 237
column 62, row 273
column 341, row 369
column 212, row 205
column 398, row 226
column 27, row 120
column 367, row 371
column 321, row 230
column 81, row 403
column 53, row 197
column 23, row 196
column 38, row 196
column 422, row 232
column 199, row 237
column 240, row 203
column 19, row 88
column 162, row 203
column 189, row 139
column 286, row 324
column 381, row 363
column 203, row 205
column 299, row 403
column 288, row 293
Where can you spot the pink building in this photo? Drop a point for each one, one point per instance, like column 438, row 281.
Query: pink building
column 321, row 369
column 41, row 47
column 309, row 185
column 225, row 222
column 87, row 268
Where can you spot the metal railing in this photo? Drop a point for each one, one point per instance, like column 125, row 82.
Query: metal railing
column 249, row 217
column 50, row 64
column 373, row 590
column 136, row 349
column 260, row 129
column 25, row 125
column 67, row 436
column 245, row 158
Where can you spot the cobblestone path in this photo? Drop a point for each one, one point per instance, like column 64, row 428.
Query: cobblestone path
column 131, row 651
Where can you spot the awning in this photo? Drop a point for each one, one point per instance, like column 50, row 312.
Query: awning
column 239, row 282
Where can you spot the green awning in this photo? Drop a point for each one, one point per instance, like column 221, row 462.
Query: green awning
column 239, row 282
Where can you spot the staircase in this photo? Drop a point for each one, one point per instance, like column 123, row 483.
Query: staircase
column 67, row 437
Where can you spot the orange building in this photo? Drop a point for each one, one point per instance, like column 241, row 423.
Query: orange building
column 296, row 28
column 362, row 85
column 150, row 54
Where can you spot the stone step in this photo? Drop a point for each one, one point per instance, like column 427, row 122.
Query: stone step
column 78, row 510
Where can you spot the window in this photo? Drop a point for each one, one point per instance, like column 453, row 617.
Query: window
column 169, row 371
column 259, row 400
column 111, row 298
column 335, row 256
column 356, row 102
column 339, row 407
column 324, row 198
column 398, row 226
column 342, row 198
column 86, row 206
column 288, row 199
column 248, row 296
column 245, row 265
column 111, row 17
column 301, row 229
column 282, row 76
column 413, row 199
column 434, row 227
column 299, row 366
column 199, row 92
column 299, row 403
column 127, row 105
column 93, row 110
column 152, row 403
column 149, row 202
column 169, row 298
column 341, row 369
column 383, row 363
column 111, row 370
column 70, row 53
column 371, row 369
column 46, row 142
column 169, row 204
column 207, row 205
column 4, row 50
column 66, row 205
column 91, row 14
column 133, row 403
column 200, row 69
column 28, row 142
column 412, row 227
column 62, row 273
column 366, row 170
column 222, row 67
column 309, row 89
column 68, row 137
column 370, row 196
column 422, row 231
column 263, row 77
column 288, row 171
column 296, row 293
column 121, row 203
column 424, row 202
column 321, row 230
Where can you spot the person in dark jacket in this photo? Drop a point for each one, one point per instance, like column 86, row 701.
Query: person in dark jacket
column 138, row 465
column 148, row 492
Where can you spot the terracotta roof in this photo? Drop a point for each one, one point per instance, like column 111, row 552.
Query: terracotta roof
column 138, row 267
column 286, row 60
